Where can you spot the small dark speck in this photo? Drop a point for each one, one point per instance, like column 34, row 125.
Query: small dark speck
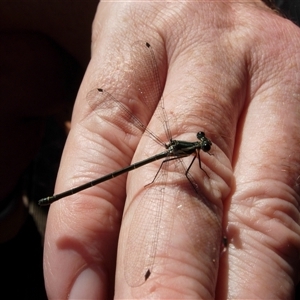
column 225, row 242
column 147, row 275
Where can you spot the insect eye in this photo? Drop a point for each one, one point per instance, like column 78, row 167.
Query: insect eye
column 200, row 135
column 206, row 146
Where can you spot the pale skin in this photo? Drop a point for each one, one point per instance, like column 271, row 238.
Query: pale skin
column 234, row 70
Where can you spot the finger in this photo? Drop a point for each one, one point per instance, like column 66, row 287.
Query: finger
column 82, row 230
column 264, row 209
column 156, row 249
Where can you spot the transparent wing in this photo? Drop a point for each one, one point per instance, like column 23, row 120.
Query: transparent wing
column 127, row 110
column 152, row 223
column 149, row 232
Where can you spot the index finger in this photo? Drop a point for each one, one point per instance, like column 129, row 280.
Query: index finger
column 82, row 230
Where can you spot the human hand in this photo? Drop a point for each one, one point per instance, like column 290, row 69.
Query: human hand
column 229, row 69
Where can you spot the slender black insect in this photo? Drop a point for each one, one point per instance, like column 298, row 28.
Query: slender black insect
column 175, row 149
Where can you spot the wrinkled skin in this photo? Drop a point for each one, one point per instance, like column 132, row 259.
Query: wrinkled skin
column 233, row 70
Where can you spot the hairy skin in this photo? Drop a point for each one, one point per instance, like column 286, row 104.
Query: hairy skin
column 229, row 69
